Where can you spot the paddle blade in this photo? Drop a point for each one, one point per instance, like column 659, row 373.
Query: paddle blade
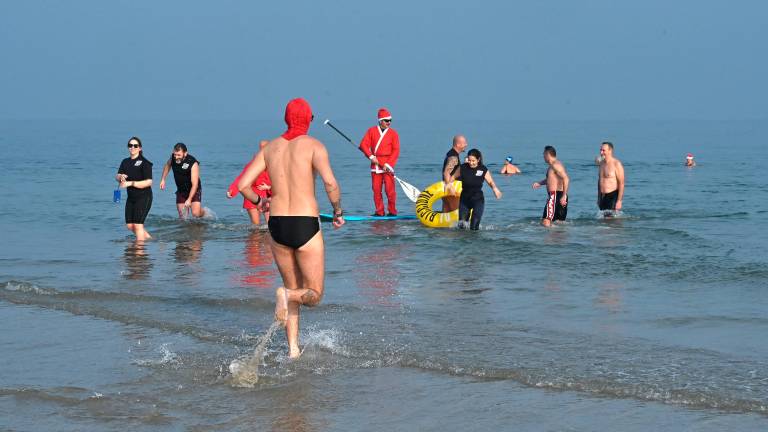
column 410, row 191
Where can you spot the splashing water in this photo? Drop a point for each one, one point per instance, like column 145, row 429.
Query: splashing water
column 245, row 370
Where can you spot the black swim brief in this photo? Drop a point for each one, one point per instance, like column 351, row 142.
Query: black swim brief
column 608, row 200
column 553, row 210
column 293, row 231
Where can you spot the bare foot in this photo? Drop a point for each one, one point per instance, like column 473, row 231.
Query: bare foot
column 281, row 306
column 294, row 353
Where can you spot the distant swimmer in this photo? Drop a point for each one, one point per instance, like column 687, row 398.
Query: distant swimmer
column 135, row 174
column 292, row 159
column 186, row 174
column 472, row 175
column 689, row 162
column 262, row 186
column 451, row 161
column 557, row 183
column 610, row 184
column 381, row 144
column 509, row 168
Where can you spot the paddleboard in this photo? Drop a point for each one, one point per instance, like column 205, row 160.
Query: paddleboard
column 326, row 217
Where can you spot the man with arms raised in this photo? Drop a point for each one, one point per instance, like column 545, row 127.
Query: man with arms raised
column 292, row 159
column 610, row 183
column 557, row 188
column 451, row 161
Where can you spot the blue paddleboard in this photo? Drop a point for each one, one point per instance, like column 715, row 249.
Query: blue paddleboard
column 325, row 217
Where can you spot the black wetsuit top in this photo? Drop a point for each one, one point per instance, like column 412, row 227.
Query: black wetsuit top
column 182, row 174
column 451, row 153
column 472, row 180
column 137, row 170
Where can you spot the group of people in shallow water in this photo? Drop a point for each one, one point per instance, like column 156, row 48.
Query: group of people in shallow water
column 279, row 182
column 472, row 173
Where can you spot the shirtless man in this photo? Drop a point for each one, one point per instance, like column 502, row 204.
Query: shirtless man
column 610, row 183
column 292, row 159
column 557, row 188
column 451, row 161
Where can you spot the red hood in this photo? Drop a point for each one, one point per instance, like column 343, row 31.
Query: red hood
column 298, row 115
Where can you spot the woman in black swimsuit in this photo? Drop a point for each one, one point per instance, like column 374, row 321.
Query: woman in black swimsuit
column 135, row 174
column 472, row 175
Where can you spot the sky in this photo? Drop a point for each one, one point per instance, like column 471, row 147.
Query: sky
column 424, row 60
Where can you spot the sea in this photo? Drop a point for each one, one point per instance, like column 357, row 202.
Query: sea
column 655, row 319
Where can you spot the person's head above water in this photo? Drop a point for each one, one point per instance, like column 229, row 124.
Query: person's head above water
column 298, row 116
column 474, row 158
column 509, row 159
column 459, row 143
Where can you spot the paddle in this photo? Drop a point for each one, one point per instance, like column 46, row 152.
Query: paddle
column 411, row 191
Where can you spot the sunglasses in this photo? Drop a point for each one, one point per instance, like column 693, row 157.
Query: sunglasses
column 387, row 120
column 134, row 145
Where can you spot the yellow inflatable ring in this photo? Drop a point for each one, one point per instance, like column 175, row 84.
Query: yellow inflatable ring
column 426, row 200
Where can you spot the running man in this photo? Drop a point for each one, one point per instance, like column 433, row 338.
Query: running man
column 186, row 173
column 292, row 159
column 557, row 188
column 381, row 144
column 451, row 161
column 610, row 182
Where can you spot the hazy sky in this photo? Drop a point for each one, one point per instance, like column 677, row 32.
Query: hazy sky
column 526, row 60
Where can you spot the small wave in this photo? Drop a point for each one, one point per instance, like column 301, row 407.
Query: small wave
column 26, row 287
column 166, row 357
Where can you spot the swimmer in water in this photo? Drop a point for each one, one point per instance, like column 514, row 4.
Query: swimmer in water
column 509, row 168
column 689, row 162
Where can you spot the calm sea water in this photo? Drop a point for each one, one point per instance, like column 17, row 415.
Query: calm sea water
column 655, row 320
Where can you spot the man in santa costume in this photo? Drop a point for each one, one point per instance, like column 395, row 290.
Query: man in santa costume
column 381, row 145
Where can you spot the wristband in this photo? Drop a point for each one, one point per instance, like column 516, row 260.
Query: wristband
column 339, row 213
column 371, row 157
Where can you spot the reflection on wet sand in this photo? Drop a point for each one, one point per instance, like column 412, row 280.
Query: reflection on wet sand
column 138, row 264
column 378, row 274
column 188, row 252
column 259, row 271
column 609, row 297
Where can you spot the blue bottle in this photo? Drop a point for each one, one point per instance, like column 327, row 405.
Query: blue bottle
column 116, row 196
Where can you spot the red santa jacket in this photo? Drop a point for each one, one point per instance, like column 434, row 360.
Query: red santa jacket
column 384, row 145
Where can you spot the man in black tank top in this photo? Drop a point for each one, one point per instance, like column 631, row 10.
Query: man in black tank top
column 451, row 161
column 186, row 174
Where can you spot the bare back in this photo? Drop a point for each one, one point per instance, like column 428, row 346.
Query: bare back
column 292, row 166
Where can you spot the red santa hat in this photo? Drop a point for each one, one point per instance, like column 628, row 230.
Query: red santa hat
column 689, row 156
column 384, row 114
